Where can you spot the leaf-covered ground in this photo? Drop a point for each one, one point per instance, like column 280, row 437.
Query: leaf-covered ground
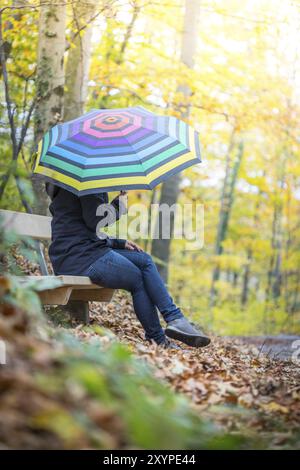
column 229, row 382
column 58, row 392
column 51, row 398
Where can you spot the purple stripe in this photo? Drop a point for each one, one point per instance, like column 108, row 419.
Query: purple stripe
column 121, row 141
column 137, row 135
column 99, row 142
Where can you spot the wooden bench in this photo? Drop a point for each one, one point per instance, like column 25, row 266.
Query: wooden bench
column 74, row 292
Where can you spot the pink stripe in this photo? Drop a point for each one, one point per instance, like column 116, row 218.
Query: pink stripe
column 99, row 134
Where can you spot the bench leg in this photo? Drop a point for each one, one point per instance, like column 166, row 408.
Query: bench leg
column 79, row 310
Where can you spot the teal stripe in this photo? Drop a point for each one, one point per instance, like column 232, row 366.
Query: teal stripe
column 162, row 156
column 126, row 169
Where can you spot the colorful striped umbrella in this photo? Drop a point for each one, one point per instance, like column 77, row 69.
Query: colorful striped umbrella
column 116, row 149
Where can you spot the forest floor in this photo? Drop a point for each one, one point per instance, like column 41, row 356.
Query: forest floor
column 230, row 382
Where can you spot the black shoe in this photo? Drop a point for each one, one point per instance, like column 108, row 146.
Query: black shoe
column 167, row 344
column 182, row 330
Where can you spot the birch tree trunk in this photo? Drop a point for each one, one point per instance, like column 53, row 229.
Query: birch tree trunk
column 171, row 188
column 50, row 79
column 79, row 54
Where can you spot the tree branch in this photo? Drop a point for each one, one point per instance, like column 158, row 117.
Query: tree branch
column 16, row 145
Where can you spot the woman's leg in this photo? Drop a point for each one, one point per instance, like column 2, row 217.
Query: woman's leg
column 178, row 326
column 154, row 284
column 116, row 271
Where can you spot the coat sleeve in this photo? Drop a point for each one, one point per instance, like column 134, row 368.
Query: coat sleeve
column 97, row 212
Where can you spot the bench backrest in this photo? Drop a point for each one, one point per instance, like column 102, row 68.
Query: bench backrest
column 31, row 225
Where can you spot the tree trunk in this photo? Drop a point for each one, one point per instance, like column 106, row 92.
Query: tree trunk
column 274, row 278
column 50, row 79
column 170, row 188
column 129, row 31
column 154, row 198
column 227, row 197
column 246, row 277
column 161, row 246
column 116, row 52
column 277, row 272
column 77, row 69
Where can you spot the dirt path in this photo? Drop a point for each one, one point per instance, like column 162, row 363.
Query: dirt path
column 282, row 347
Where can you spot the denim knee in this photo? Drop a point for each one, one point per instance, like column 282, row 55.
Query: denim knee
column 147, row 259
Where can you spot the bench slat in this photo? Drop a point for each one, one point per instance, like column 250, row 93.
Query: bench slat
column 62, row 295
column 72, row 288
column 80, row 282
column 30, row 225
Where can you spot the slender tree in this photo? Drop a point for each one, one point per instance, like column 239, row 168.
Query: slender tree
column 227, row 197
column 171, row 188
column 79, row 59
column 17, row 127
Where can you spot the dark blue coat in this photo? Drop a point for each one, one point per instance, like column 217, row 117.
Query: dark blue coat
column 75, row 245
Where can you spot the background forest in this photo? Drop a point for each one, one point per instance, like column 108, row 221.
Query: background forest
column 232, row 70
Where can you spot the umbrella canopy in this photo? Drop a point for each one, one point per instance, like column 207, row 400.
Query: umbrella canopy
column 116, row 149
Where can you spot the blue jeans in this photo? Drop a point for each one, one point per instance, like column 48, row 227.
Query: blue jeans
column 136, row 272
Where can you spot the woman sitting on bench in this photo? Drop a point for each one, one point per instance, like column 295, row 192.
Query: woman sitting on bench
column 114, row 263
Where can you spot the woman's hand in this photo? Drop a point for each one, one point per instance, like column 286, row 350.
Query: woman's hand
column 129, row 245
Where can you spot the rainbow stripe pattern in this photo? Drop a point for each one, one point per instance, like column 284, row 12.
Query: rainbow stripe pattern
column 116, row 149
